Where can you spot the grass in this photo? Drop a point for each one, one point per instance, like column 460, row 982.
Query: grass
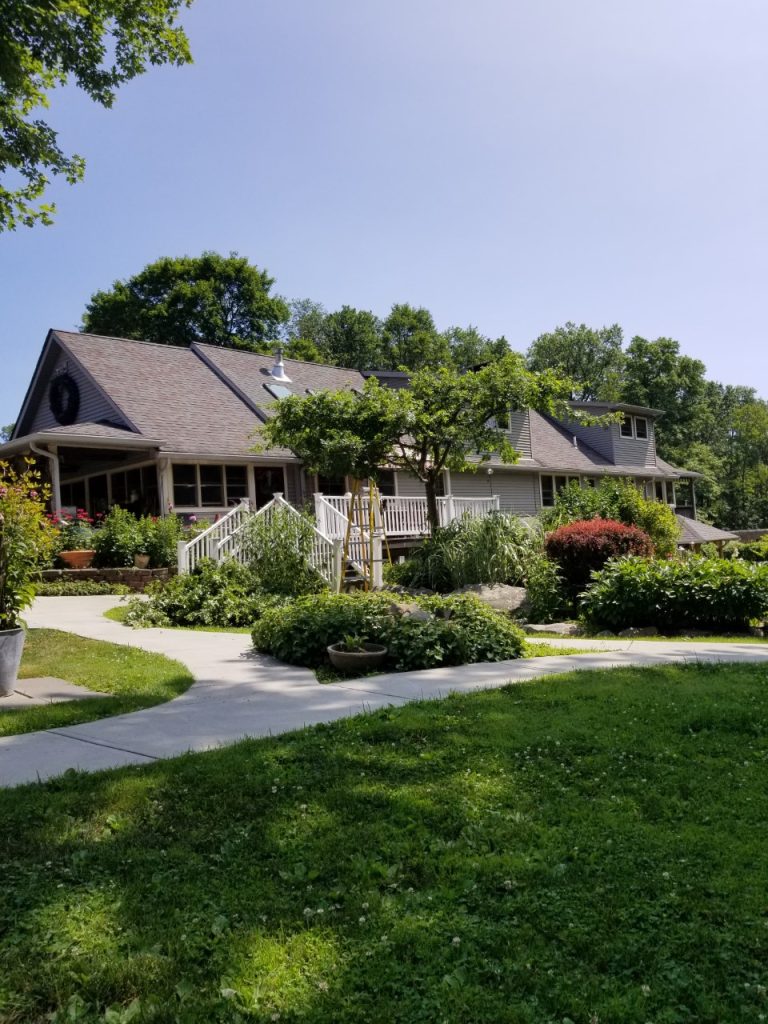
column 135, row 679
column 582, row 849
column 119, row 614
column 724, row 638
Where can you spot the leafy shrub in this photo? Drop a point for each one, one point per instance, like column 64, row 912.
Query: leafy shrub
column 159, row 538
column 619, row 500
column 582, row 547
column 699, row 592
column 749, row 551
column 491, row 549
column 548, row 600
column 461, row 630
column 79, row 588
column 27, row 538
column 118, row 539
column 215, row 594
column 277, row 548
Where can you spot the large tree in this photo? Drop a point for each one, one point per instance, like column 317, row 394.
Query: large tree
column 98, row 45
column 352, row 337
column 593, row 359
column 442, row 421
column 470, row 349
column 411, row 340
column 222, row 300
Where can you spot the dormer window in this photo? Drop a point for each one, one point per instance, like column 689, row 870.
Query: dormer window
column 626, row 427
column 641, row 428
column 634, row 426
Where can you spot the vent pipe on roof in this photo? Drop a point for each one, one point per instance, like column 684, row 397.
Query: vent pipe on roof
column 278, row 370
column 575, row 441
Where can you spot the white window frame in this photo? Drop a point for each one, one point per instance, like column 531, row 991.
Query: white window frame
column 570, row 478
column 643, row 419
column 627, row 421
column 222, row 467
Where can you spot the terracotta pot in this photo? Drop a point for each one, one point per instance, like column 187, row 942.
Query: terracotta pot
column 11, row 646
column 77, row 559
column 141, row 561
column 372, row 656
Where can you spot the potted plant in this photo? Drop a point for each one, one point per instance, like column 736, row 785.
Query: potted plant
column 27, row 540
column 354, row 654
column 76, row 549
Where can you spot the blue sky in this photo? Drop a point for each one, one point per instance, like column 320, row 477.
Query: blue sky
column 507, row 163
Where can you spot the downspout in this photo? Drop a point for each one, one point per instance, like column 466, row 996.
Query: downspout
column 55, row 476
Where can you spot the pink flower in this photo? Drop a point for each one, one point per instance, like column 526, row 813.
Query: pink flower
column 193, row 519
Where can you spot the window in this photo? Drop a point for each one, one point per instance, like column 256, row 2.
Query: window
column 278, row 390
column 209, row 486
column 387, row 483
column 626, row 427
column 236, row 479
column 551, row 487
column 641, row 428
column 185, row 485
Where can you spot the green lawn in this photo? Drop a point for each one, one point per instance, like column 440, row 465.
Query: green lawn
column 137, row 679
column 583, row 849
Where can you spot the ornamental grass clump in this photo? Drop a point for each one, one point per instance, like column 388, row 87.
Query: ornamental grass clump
column 581, row 548
column 27, row 539
column 700, row 593
column 492, row 549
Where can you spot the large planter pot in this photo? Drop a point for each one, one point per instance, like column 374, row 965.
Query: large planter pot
column 141, row 561
column 11, row 646
column 357, row 661
column 77, row 559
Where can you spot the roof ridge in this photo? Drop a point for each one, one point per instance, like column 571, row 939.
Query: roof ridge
column 133, row 341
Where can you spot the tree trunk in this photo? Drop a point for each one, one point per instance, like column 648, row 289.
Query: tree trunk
column 432, row 513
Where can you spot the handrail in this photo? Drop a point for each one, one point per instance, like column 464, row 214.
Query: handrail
column 205, row 544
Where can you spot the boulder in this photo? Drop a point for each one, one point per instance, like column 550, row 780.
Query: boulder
column 555, row 629
column 499, row 596
column 638, row 631
column 405, row 610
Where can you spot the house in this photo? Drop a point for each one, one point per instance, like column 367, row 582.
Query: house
column 158, row 429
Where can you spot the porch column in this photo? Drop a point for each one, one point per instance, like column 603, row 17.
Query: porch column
column 251, row 478
column 165, row 485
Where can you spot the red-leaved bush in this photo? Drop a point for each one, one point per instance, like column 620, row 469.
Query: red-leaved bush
column 582, row 547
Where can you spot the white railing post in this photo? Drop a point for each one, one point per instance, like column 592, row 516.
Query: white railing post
column 337, row 566
column 181, row 557
column 378, row 565
column 496, row 503
column 450, row 509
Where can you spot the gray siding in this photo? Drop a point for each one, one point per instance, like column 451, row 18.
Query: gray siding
column 599, row 438
column 633, row 451
column 518, row 492
column 409, row 486
column 93, row 406
column 519, row 432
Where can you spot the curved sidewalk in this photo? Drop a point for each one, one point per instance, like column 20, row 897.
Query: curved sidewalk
column 239, row 694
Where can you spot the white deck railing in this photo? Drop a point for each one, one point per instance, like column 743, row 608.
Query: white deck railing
column 398, row 516
column 224, row 539
column 207, row 544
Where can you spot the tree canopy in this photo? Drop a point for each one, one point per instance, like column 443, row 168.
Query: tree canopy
column 222, row 300
column 99, row 46
column 593, row 359
column 440, row 422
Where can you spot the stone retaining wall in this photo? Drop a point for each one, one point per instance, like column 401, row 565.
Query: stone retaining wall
column 136, row 579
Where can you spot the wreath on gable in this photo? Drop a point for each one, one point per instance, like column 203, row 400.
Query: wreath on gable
column 64, row 399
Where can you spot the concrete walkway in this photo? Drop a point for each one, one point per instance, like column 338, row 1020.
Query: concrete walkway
column 239, row 694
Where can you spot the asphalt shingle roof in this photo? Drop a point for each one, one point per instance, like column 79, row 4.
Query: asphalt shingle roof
column 694, row 532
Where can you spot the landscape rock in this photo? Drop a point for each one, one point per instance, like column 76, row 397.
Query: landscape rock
column 637, row 631
column 555, row 629
column 405, row 610
column 499, row 596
